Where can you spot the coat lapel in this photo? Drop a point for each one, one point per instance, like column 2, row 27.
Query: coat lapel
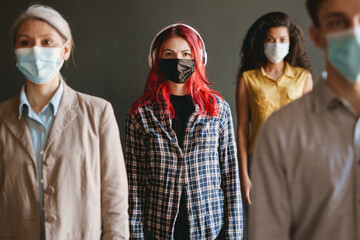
column 19, row 127
column 66, row 114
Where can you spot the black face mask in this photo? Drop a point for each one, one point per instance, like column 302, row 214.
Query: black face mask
column 177, row 70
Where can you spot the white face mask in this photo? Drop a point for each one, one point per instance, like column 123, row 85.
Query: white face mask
column 39, row 64
column 276, row 52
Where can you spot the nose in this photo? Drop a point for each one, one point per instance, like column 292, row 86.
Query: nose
column 37, row 42
column 356, row 21
column 178, row 55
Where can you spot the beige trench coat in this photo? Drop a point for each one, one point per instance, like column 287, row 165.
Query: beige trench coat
column 84, row 176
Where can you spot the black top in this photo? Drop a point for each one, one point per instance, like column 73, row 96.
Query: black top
column 184, row 107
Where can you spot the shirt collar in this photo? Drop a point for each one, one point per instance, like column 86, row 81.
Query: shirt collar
column 327, row 99
column 288, row 71
column 54, row 101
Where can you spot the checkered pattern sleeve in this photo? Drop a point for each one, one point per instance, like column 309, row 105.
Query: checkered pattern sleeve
column 135, row 157
column 230, row 177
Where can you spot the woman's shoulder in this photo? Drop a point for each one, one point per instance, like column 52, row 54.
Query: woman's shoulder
column 88, row 99
column 298, row 70
column 87, row 103
column 9, row 106
column 249, row 73
column 149, row 108
column 223, row 105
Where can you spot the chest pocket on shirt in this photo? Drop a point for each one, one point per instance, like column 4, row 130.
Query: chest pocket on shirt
column 207, row 137
column 261, row 106
column 293, row 95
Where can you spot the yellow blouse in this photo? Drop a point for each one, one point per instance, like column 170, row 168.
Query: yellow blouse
column 267, row 95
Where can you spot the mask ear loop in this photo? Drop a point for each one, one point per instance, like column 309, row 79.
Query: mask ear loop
column 151, row 55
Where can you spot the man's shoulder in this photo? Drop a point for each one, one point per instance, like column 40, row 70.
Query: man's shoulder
column 297, row 115
column 295, row 110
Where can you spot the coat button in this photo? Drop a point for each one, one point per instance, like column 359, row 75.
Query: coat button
column 50, row 161
column 51, row 219
column 50, row 190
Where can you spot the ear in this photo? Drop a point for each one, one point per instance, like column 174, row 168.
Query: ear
column 67, row 50
column 316, row 36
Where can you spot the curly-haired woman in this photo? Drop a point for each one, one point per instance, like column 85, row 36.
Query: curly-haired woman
column 274, row 71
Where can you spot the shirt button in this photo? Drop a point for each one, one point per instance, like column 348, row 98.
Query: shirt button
column 42, row 128
column 50, row 161
column 50, row 190
column 51, row 219
column 41, row 152
column 42, row 181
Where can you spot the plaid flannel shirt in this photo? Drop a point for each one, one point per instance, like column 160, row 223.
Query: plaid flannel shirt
column 158, row 170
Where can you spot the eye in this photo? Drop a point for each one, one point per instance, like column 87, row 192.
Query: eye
column 47, row 42
column 24, row 43
column 187, row 54
column 167, row 54
column 268, row 39
column 337, row 23
column 283, row 40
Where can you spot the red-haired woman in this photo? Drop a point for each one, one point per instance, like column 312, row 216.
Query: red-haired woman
column 180, row 148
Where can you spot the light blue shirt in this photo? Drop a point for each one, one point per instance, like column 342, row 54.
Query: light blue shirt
column 40, row 126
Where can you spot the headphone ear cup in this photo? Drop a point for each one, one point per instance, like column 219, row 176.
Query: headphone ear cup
column 151, row 56
column 205, row 57
column 150, row 60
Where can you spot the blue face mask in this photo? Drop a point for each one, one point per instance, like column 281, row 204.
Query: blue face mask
column 344, row 52
column 39, row 64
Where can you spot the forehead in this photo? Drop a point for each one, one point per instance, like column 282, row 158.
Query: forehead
column 278, row 32
column 35, row 26
column 176, row 43
column 349, row 8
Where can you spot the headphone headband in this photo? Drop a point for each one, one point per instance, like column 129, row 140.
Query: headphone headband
column 150, row 55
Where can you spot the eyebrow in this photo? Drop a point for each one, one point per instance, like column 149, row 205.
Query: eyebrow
column 22, row 35
column 44, row 35
column 284, row 36
column 335, row 14
column 186, row 50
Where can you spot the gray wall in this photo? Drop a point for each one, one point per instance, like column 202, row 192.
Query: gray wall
column 112, row 39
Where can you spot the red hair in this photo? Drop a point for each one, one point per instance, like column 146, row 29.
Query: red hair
column 157, row 89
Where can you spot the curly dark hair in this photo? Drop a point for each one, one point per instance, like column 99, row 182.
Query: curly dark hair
column 252, row 52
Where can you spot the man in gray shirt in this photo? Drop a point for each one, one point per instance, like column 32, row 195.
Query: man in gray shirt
column 306, row 173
